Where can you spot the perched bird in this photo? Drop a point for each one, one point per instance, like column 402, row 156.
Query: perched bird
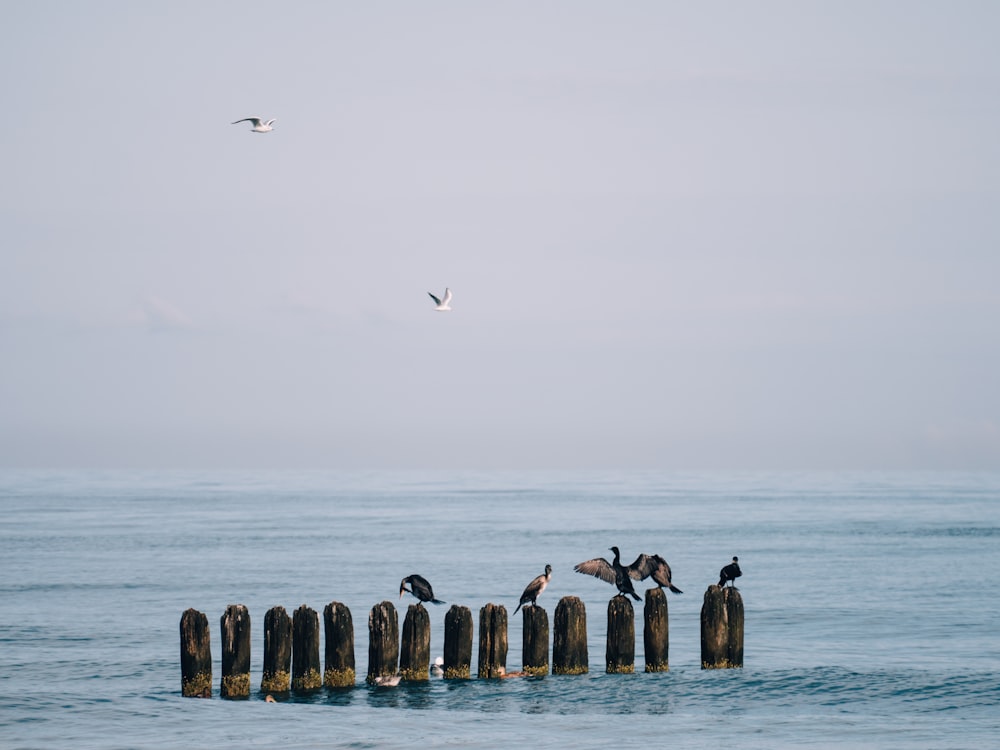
column 443, row 303
column 655, row 566
column 730, row 573
column 419, row 587
column 612, row 572
column 534, row 589
column 437, row 668
column 259, row 126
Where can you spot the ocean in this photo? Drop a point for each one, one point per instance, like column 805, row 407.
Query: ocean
column 871, row 616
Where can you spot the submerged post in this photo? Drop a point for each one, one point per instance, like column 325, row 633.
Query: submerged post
column 458, row 643
column 339, row 628
column 277, row 673
column 305, row 650
column 656, row 631
column 722, row 628
column 492, row 640
column 569, row 638
column 415, row 649
column 620, row 650
column 196, row 655
column 383, row 641
column 535, row 641
column 235, row 652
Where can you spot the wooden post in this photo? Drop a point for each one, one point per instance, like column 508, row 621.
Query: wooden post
column 305, row 650
column 235, row 652
column 277, row 673
column 535, row 641
column 656, row 631
column 458, row 643
column 621, row 636
column 492, row 640
column 383, row 641
column 722, row 628
column 196, row 655
column 569, row 638
column 339, row 628
column 415, row 649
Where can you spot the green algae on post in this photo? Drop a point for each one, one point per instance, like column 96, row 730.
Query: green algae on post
column 305, row 650
column 722, row 629
column 235, row 652
column 458, row 643
column 276, row 677
column 569, row 639
column 415, row 648
column 656, row 631
column 338, row 626
column 196, row 655
column 535, row 640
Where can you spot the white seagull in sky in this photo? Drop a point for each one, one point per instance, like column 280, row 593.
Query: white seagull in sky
column 259, row 126
column 442, row 303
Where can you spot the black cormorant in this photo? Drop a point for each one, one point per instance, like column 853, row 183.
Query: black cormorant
column 419, row 587
column 612, row 572
column 534, row 589
column 730, row 573
column 655, row 566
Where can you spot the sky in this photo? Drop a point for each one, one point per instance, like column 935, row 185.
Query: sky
column 680, row 236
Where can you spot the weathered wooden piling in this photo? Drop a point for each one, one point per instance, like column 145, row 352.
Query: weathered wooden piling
column 535, row 641
column 306, row 673
column 235, row 627
column 415, row 648
column 277, row 672
column 458, row 643
column 492, row 640
column 722, row 628
column 196, row 655
column 569, row 638
column 620, row 651
column 383, row 641
column 338, row 626
column 656, row 631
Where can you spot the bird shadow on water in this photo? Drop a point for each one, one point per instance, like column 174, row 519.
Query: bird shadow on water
column 404, row 695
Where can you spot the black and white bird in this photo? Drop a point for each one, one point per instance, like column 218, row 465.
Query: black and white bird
column 443, row 304
column 730, row 573
column 419, row 587
column 259, row 126
column 534, row 589
column 612, row 572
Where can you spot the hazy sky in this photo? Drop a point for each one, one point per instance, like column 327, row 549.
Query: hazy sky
column 679, row 235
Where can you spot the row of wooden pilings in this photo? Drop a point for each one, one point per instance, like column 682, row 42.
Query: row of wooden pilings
column 292, row 644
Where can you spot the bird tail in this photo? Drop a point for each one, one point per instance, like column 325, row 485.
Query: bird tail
column 518, row 607
column 437, row 601
column 674, row 589
column 635, row 596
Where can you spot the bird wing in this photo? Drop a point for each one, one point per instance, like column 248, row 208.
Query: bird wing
column 272, row 121
column 447, row 296
column 643, row 566
column 254, row 120
column 598, row 567
column 436, row 300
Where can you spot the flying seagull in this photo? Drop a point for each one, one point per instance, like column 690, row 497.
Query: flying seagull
column 419, row 587
column 730, row 573
column 259, row 126
column 443, row 303
column 534, row 589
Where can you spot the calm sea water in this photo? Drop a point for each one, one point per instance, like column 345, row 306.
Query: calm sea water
column 871, row 613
